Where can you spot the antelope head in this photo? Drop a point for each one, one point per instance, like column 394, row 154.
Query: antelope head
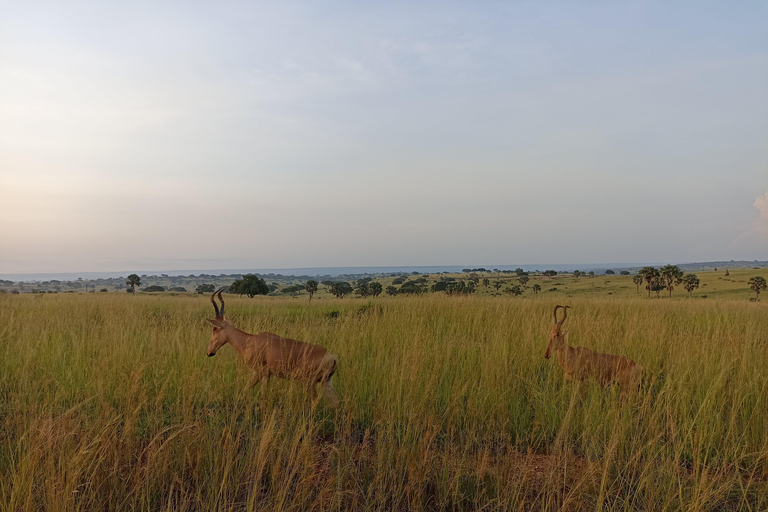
column 556, row 335
column 219, row 336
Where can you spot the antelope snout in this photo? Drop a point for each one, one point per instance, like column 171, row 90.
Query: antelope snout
column 211, row 354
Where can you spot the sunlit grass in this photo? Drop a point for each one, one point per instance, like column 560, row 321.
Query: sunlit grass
column 108, row 401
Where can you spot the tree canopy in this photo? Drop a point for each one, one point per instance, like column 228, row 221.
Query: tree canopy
column 757, row 284
column 250, row 285
column 133, row 281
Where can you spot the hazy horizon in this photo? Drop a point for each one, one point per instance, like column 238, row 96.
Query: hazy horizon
column 305, row 135
column 337, row 271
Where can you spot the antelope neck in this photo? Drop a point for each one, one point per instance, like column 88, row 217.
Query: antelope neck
column 237, row 338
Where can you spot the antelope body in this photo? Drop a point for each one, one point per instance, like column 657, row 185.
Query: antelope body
column 268, row 354
column 581, row 364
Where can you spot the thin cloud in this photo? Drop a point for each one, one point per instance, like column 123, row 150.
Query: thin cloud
column 761, row 224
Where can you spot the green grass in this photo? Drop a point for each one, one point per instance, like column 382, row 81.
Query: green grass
column 108, row 401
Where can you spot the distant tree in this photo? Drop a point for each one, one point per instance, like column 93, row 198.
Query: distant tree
column 177, row 289
column 577, row 273
column 293, row 290
column 591, row 273
column 460, row 288
column 154, row 288
column 311, row 288
column 609, row 272
column 650, row 276
column 363, row 280
column 391, row 291
column 375, row 288
column 690, row 282
column 670, row 275
column 205, row 288
column 398, row 280
column 520, row 272
column 341, row 288
column 638, row 280
column 486, row 282
column 624, row 272
column 727, row 273
column 362, row 289
column 133, row 281
column 515, row 290
column 412, row 287
column 523, row 280
column 103, row 290
column 440, row 286
column 536, row 288
column 549, row 273
column 250, row 285
column 757, row 284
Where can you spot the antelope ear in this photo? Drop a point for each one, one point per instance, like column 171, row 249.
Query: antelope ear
column 218, row 322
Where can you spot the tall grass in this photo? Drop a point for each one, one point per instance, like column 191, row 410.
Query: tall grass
column 109, row 402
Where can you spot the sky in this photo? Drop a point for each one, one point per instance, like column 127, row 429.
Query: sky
column 216, row 135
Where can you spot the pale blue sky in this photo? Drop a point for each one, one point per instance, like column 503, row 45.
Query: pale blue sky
column 277, row 135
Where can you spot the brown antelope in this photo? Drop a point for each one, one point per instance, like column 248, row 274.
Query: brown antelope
column 581, row 364
column 268, row 354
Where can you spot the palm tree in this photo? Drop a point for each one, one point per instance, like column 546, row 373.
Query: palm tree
column 650, row 276
column 133, row 281
column 671, row 275
column 758, row 284
column 311, row 287
column 638, row 280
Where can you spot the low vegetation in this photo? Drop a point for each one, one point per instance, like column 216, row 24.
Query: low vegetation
column 108, row 402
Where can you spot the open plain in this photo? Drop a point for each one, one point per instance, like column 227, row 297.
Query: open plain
column 108, row 402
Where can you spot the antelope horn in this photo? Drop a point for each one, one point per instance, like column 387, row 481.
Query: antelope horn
column 565, row 314
column 215, row 307
column 222, row 302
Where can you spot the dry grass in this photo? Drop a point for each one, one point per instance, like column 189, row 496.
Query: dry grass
column 109, row 402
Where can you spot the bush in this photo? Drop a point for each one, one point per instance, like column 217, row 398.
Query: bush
column 205, row 288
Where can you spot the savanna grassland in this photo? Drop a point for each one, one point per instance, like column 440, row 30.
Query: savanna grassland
column 108, row 402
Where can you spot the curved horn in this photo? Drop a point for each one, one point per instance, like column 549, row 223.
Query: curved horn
column 215, row 306
column 222, row 302
column 565, row 314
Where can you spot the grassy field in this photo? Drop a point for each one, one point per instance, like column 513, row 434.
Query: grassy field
column 108, row 402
